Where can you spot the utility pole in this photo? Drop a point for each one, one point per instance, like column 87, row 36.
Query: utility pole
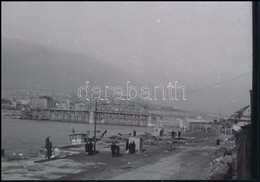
column 95, row 126
column 251, row 100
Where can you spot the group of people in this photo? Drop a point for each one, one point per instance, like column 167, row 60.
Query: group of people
column 173, row 134
column 134, row 133
column 115, row 150
column 89, row 147
column 130, row 147
column 48, row 147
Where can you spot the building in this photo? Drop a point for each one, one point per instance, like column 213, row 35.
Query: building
column 7, row 104
column 198, row 124
column 66, row 105
column 22, row 103
column 184, row 124
column 44, row 102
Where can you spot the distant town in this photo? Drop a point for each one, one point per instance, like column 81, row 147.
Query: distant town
column 23, row 99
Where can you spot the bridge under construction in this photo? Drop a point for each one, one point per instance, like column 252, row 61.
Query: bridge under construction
column 124, row 114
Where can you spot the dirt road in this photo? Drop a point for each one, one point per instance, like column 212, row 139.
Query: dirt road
column 175, row 166
column 188, row 161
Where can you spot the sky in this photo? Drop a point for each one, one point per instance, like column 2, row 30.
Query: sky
column 198, row 44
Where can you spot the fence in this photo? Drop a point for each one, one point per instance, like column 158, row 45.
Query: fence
column 244, row 142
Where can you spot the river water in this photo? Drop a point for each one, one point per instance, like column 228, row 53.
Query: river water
column 28, row 136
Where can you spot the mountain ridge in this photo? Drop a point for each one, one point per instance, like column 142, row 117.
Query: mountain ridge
column 31, row 65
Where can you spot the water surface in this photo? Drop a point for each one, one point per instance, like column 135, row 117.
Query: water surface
column 27, row 136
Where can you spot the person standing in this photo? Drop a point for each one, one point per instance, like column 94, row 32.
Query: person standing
column 134, row 133
column 47, row 142
column 49, row 150
column 130, row 148
column 86, row 146
column 113, row 149
column 179, row 134
column 173, row 134
column 161, row 131
column 218, row 142
column 127, row 145
column 133, row 147
column 117, row 150
column 90, row 148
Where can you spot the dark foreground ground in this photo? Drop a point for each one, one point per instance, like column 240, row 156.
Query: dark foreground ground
column 181, row 159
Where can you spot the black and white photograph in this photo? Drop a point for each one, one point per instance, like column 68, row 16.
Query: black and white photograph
column 126, row 90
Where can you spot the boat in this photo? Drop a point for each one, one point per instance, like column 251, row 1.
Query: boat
column 82, row 138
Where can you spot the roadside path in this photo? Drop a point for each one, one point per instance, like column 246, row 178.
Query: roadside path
column 189, row 164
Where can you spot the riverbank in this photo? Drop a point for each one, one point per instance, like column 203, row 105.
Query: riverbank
column 10, row 113
column 179, row 159
column 28, row 136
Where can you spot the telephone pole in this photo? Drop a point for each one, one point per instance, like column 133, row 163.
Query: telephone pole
column 95, row 126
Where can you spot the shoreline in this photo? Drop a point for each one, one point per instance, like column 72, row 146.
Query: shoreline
column 59, row 133
column 9, row 113
column 157, row 158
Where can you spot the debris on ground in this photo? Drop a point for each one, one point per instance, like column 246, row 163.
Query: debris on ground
column 224, row 163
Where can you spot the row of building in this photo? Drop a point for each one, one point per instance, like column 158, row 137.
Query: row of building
column 45, row 102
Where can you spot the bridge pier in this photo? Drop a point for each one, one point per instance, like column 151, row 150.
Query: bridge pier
column 91, row 117
column 150, row 121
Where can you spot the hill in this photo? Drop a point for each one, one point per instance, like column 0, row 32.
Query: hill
column 30, row 65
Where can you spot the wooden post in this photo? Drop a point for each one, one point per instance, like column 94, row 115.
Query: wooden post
column 95, row 126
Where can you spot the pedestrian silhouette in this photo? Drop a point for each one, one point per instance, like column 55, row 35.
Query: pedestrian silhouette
column 127, row 145
column 90, row 148
column 113, row 149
